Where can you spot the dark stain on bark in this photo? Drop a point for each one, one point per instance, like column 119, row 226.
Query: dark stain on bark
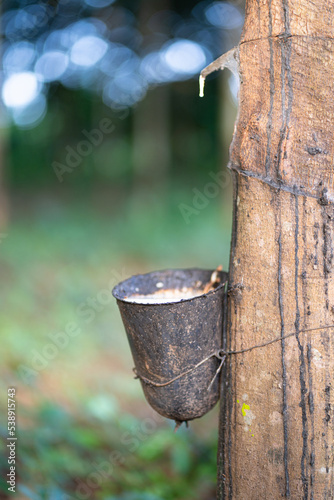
column 327, row 250
column 326, row 424
column 328, row 404
column 284, row 377
column 323, row 200
column 302, row 368
column 316, row 242
column 275, row 456
column 315, row 151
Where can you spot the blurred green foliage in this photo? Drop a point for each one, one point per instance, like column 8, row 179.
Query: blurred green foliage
column 67, row 456
column 85, row 404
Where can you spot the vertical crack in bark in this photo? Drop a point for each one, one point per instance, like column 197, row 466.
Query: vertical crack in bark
column 285, row 4
column 272, row 91
column 307, row 312
column 286, row 111
column 223, row 411
column 259, row 15
column 286, row 73
column 285, row 405
column 283, row 127
column 327, row 268
column 311, row 407
column 231, row 391
column 303, row 390
column 327, row 251
column 326, row 422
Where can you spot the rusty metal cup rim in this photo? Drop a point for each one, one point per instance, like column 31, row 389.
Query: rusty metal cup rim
column 116, row 291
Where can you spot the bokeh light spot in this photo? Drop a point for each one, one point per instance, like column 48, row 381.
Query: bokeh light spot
column 224, row 15
column 185, row 57
column 20, row 89
column 88, row 50
column 51, row 65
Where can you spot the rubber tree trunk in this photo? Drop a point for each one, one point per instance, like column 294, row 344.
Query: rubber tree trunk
column 276, row 427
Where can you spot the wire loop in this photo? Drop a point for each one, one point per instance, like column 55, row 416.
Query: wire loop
column 221, row 355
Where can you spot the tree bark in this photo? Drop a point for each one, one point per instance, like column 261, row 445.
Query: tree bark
column 276, row 427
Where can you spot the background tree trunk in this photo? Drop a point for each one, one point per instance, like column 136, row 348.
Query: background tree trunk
column 276, row 428
column 3, row 188
column 151, row 135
